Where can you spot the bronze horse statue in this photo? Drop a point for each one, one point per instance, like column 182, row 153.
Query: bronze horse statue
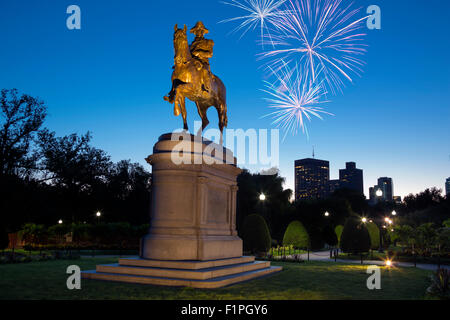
column 188, row 81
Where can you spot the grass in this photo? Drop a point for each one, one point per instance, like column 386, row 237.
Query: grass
column 309, row 280
column 375, row 255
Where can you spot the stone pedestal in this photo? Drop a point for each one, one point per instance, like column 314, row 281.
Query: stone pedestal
column 193, row 212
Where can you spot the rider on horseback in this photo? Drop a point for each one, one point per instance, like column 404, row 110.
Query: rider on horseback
column 202, row 49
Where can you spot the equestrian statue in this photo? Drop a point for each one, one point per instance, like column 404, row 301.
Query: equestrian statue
column 192, row 77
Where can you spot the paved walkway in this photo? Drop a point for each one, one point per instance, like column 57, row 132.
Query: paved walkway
column 325, row 256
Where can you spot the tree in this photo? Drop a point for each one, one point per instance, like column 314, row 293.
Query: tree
column 404, row 234
column 355, row 237
column 255, row 234
column 357, row 201
column 426, row 236
column 129, row 186
column 446, row 223
column 72, row 162
column 374, row 233
column 296, row 235
column 274, row 208
column 21, row 118
column 423, row 200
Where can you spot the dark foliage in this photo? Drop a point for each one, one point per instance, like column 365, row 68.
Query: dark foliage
column 355, row 237
column 255, row 234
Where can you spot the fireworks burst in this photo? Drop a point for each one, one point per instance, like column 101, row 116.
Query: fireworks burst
column 296, row 98
column 259, row 13
column 323, row 33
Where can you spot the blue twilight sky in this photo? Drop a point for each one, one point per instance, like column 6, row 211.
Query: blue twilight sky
column 110, row 77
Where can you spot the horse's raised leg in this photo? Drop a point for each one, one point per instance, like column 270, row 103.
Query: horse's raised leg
column 181, row 104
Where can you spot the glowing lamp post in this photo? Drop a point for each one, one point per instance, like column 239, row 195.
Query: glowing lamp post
column 60, row 221
column 262, row 197
column 98, row 215
column 326, row 214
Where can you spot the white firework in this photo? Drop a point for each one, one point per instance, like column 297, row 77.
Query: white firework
column 296, row 97
column 260, row 13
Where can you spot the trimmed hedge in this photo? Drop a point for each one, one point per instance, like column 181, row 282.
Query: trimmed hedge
column 338, row 231
column 355, row 237
column 374, row 234
column 296, row 235
column 255, row 234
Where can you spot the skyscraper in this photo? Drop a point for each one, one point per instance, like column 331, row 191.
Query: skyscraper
column 311, row 179
column 386, row 185
column 351, row 178
column 385, row 188
column 447, row 186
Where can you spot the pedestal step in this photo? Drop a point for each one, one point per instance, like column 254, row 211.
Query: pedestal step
column 196, row 274
column 184, row 264
column 208, row 283
column 201, row 274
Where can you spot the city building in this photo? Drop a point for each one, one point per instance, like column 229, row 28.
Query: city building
column 447, row 186
column 334, row 185
column 311, row 179
column 383, row 191
column 351, row 178
column 387, row 187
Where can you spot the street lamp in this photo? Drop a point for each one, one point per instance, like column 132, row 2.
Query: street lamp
column 98, row 215
column 364, row 220
column 394, row 213
column 60, row 221
column 379, row 193
column 262, row 197
column 326, row 214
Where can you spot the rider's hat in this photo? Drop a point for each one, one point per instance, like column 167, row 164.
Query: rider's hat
column 199, row 28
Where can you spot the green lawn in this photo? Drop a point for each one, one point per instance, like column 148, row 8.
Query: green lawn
column 309, row 280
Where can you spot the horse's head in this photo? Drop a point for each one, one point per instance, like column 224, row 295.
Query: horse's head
column 180, row 36
column 180, row 43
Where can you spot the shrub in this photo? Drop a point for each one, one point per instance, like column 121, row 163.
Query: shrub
column 255, row 234
column 58, row 231
column 440, row 284
column 355, row 237
column 338, row 231
column 296, row 235
column 374, row 234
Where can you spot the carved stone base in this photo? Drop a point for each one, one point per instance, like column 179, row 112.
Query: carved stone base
column 193, row 209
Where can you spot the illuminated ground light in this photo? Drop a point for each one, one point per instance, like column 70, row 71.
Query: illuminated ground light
column 388, row 263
